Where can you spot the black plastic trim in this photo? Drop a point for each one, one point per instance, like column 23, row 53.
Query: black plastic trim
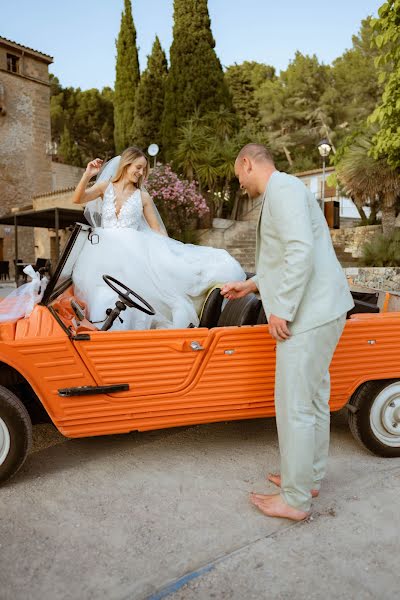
column 91, row 390
column 52, row 291
column 81, row 337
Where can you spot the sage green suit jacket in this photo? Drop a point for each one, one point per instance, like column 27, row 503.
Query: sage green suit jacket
column 297, row 272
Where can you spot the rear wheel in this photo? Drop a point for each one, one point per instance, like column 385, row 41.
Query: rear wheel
column 15, row 434
column 375, row 418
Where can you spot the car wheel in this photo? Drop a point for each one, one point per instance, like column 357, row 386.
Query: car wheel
column 374, row 417
column 15, row 434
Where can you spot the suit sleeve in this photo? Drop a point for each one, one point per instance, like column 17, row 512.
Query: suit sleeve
column 292, row 221
column 255, row 279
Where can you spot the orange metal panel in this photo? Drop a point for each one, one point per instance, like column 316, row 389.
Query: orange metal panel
column 150, row 361
column 172, row 385
column 44, row 355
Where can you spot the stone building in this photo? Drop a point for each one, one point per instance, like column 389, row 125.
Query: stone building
column 45, row 239
column 25, row 166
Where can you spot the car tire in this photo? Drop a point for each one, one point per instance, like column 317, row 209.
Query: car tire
column 374, row 417
column 15, row 434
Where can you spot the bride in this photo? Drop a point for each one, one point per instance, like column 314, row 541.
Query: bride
column 133, row 247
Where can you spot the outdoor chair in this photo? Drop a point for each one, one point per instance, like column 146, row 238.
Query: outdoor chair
column 4, row 269
column 40, row 263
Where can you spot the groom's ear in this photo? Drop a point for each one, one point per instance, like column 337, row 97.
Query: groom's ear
column 246, row 163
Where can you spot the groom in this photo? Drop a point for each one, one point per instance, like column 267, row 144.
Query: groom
column 306, row 297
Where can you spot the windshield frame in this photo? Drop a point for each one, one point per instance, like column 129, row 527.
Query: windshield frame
column 54, row 287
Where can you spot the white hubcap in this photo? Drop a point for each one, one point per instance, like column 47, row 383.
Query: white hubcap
column 4, row 441
column 385, row 416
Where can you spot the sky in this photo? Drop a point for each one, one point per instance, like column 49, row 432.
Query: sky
column 81, row 34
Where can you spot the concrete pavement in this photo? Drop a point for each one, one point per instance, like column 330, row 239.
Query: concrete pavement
column 165, row 514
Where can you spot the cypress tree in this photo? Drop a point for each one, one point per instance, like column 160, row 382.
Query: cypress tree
column 195, row 80
column 126, row 80
column 150, row 99
column 243, row 95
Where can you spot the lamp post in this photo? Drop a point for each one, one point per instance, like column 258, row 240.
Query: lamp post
column 324, row 149
column 153, row 150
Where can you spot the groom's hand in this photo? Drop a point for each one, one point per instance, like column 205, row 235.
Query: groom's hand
column 238, row 289
column 278, row 328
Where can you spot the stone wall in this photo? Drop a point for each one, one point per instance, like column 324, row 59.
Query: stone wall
column 65, row 176
column 352, row 239
column 45, row 246
column 25, row 168
column 379, row 278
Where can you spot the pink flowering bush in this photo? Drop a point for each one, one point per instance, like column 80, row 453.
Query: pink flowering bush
column 178, row 200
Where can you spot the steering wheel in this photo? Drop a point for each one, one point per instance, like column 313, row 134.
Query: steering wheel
column 126, row 295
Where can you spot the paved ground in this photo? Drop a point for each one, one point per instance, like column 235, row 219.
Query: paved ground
column 6, row 288
column 165, row 515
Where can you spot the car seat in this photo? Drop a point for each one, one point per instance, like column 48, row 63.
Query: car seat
column 262, row 317
column 364, row 302
column 243, row 311
column 211, row 310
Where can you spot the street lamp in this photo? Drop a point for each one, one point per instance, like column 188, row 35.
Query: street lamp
column 153, row 150
column 324, row 149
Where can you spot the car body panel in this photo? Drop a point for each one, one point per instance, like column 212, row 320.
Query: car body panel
column 175, row 377
column 171, row 384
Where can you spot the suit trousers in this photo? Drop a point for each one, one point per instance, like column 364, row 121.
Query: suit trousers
column 302, row 391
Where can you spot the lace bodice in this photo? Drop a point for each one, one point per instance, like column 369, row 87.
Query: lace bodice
column 130, row 214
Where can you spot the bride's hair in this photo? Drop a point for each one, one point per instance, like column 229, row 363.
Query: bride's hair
column 128, row 156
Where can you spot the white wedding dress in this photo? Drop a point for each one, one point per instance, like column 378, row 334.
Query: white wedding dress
column 173, row 277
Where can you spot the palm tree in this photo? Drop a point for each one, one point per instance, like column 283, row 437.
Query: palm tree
column 366, row 179
column 192, row 140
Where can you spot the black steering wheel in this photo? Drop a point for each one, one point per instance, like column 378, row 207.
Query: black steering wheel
column 126, row 295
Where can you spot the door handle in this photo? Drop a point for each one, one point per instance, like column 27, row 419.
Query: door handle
column 196, row 346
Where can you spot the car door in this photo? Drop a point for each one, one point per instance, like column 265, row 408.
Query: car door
column 151, row 362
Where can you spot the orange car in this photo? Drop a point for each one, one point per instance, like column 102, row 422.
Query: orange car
column 95, row 382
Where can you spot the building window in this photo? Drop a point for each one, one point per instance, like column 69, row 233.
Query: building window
column 12, row 63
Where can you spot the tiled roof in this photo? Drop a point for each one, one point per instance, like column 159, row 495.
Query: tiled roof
column 313, row 172
column 55, row 192
column 47, row 56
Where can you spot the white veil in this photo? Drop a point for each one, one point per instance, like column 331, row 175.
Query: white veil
column 93, row 209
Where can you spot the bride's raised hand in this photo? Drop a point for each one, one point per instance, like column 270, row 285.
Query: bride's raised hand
column 94, row 167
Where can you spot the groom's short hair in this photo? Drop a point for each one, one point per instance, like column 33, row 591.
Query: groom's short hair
column 256, row 152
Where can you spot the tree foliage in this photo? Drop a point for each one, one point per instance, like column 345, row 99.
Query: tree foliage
column 82, row 122
column 382, row 251
column 126, row 80
column 150, row 99
column 243, row 81
column 356, row 89
column 293, row 110
column 386, row 142
column 367, row 179
column 195, row 80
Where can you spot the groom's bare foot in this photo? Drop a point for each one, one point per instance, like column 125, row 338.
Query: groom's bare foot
column 276, row 480
column 274, row 506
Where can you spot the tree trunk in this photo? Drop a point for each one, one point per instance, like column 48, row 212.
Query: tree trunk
column 388, row 216
column 372, row 216
column 288, row 157
column 235, row 208
column 359, row 206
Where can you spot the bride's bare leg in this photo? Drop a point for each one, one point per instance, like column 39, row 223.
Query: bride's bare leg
column 275, row 478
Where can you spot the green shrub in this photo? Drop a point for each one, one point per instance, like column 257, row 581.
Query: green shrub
column 382, row 251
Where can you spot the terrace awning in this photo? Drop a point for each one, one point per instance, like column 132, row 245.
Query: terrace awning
column 49, row 218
